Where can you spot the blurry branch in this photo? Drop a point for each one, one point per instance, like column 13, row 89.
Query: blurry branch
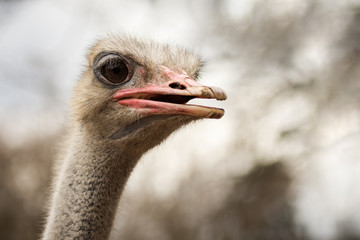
column 257, row 207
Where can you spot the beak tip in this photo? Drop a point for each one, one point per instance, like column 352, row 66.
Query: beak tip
column 218, row 93
column 219, row 113
column 223, row 97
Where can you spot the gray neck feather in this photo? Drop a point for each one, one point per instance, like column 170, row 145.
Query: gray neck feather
column 87, row 191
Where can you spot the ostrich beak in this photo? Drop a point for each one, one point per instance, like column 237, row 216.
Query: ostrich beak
column 171, row 98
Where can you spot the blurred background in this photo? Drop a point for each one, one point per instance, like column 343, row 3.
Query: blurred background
column 283, row 163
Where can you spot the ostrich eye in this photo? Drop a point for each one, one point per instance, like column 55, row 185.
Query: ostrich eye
column 115, row 71
column 112, row 69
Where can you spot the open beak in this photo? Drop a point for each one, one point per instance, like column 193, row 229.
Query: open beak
column 171, row 99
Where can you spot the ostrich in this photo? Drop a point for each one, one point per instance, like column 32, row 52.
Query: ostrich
column 131, row 96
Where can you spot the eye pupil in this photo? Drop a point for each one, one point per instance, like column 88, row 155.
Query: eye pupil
column 115, row 71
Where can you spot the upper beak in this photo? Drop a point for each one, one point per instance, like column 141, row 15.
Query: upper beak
column 171, row 98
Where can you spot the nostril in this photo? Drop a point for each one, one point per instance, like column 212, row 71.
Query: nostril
column 177, row 85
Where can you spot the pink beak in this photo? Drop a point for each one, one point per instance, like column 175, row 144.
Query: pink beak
column 171, row 98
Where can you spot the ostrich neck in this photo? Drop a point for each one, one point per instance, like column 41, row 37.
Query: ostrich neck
column 88, row 188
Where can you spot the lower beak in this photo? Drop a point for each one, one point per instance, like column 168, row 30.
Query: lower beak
column 171, row 99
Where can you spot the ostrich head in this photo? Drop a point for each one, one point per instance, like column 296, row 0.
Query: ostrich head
column 137, row 92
